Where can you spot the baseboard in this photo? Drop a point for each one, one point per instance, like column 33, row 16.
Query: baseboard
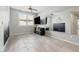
column 5, row 45
column 20, row 34
column 64, row 40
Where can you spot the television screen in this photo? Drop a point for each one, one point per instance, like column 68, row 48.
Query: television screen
column 59, row 27
column 37, row 20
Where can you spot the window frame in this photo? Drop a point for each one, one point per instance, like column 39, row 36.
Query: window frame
column 27, row 20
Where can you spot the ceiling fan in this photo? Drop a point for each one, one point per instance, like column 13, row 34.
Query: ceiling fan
column 32, row 9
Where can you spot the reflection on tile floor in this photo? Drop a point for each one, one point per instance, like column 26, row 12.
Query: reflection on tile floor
column 37, row 43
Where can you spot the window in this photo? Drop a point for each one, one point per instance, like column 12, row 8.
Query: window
column 25, row 19
column 22, row 23
column 30, row 17
column 30, row 23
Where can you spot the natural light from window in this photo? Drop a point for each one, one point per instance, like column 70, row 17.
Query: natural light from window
column 22, row 23
column 25, row 19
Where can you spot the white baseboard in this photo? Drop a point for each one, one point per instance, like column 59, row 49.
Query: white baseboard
column 5, row 45
column 64, row 40
column 20, row 34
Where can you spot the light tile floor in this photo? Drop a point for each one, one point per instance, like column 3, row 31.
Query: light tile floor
column 37, row 43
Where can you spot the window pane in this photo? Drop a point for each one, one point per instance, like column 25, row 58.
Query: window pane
column 30, row 17
column 22, row 23
column 30, row 23
column 22, row 16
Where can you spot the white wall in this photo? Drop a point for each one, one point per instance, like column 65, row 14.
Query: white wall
column 1, row 31
column 63, row 17
column 70, row 25
column 4, row 22
column 15, row 28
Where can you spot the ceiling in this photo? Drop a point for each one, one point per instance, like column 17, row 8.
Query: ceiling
column 46, row 8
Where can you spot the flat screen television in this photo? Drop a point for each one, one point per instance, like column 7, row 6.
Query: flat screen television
column 60, row 27
column 37, row 20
